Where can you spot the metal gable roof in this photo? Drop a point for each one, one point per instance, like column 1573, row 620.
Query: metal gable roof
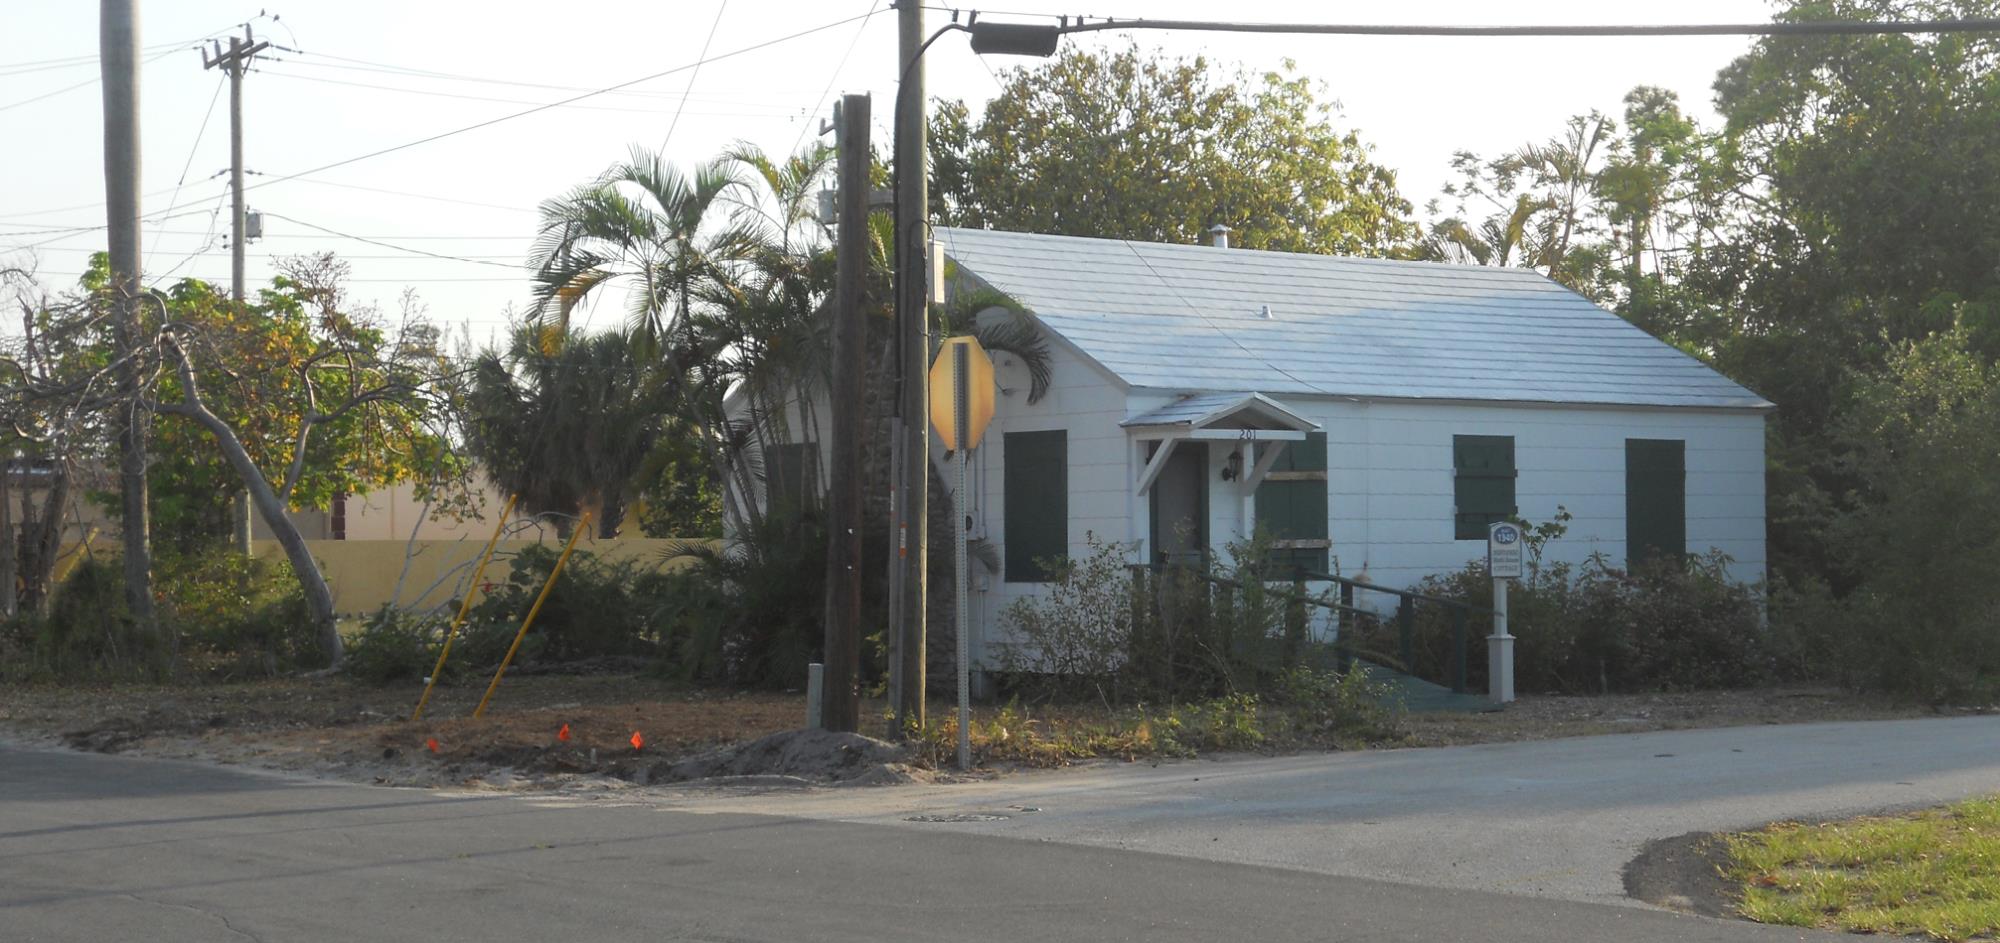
column 1191, row 318
column 1206, row 408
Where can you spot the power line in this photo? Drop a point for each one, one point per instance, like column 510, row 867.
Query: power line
column 276, row 235
column 405, row 90
column 835, row 77
column 540, row 108
column 77, row 231
column 1775, row 28
column 720, row 8
column 391, row 245
column 93, row 80
column 65, row 209
column 411, row 195
column 343, row 255
column 69, row 62
column 207, row 241
column 174, row 201
column 224, row 280
column 363, row 65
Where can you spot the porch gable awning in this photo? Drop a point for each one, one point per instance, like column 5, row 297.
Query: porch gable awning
column 1209, row 417
column 1235, row 412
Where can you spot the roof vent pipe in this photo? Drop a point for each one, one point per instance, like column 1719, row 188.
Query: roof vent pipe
column 1218, row 236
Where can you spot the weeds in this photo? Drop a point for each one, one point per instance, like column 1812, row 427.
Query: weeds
column 1308, row 710
column 1928, row 873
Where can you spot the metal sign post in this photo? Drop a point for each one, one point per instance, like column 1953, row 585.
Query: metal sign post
column 1503, row 563
column 964, row 371
column 962, row 421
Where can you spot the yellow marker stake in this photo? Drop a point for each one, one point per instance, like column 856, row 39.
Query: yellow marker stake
column 582, row 525
column 451, row 632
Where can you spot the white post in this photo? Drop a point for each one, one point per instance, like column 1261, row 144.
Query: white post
column 1500, row 649
column 961, row 364
column 815, row 686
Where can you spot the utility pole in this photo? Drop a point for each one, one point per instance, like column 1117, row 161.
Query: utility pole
column 233, row 63
column 118, row 51
column 911, row 506
column 841, row 711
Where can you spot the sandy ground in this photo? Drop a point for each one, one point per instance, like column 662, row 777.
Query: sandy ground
column 341, row 729
column 363, row 732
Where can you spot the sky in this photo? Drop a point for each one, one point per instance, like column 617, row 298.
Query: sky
column 356, row 84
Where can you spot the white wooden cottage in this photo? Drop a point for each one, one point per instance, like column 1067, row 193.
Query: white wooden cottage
column 1373, row 415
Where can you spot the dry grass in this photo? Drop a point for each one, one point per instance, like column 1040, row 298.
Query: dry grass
column 1934, row 873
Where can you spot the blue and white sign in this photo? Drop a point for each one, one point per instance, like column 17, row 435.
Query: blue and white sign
column 1503, row 551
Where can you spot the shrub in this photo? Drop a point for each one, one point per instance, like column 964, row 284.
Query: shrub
column 237, row 617
column 1178, row 635
column 87, row 633
column 1076, row 638
column 749, row 612
column 397, row 645
column 597, row 608
column 1594, row 628
column 1335, row 705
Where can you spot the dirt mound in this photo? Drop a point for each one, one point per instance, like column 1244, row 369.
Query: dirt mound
column 813, row 756
column 1684, row 873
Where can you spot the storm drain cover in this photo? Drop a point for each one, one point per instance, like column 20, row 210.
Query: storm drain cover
column 959, row 817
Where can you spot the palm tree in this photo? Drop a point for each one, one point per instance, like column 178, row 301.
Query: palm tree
column 1500, row 239
column 642, row 221
column 569, row 428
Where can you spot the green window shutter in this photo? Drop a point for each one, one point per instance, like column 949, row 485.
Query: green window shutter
column 1309, row 455
column 1035, row 476
column 1293, row 507
column 1655, row 499
column 1483, row 475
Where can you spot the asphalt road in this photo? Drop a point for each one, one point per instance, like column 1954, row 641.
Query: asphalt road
column 1557, row 818
column 101, row 848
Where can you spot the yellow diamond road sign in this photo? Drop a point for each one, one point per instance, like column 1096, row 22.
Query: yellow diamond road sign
column 978, row 392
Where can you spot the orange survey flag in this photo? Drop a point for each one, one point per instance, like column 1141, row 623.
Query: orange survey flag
column 638, row 742
column 563, row 734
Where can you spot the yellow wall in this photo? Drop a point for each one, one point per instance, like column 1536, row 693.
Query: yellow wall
column 363, row 573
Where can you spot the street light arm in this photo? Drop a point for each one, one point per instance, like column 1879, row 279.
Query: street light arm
column 907, row 66
column 1811, row 28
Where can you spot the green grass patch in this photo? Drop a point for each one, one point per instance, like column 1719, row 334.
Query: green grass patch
column 1934, row 873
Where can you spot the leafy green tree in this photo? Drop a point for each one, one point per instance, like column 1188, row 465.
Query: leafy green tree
column 1859, row 186
column 1123, row 145
column 333, row 400
column 1852, row 191
column 1917, row 541
column 275, row 371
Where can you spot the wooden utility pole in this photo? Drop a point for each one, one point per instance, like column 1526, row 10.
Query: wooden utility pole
column 118, row 50
column 911, row 506
column 233, row 63
column 841, row 711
